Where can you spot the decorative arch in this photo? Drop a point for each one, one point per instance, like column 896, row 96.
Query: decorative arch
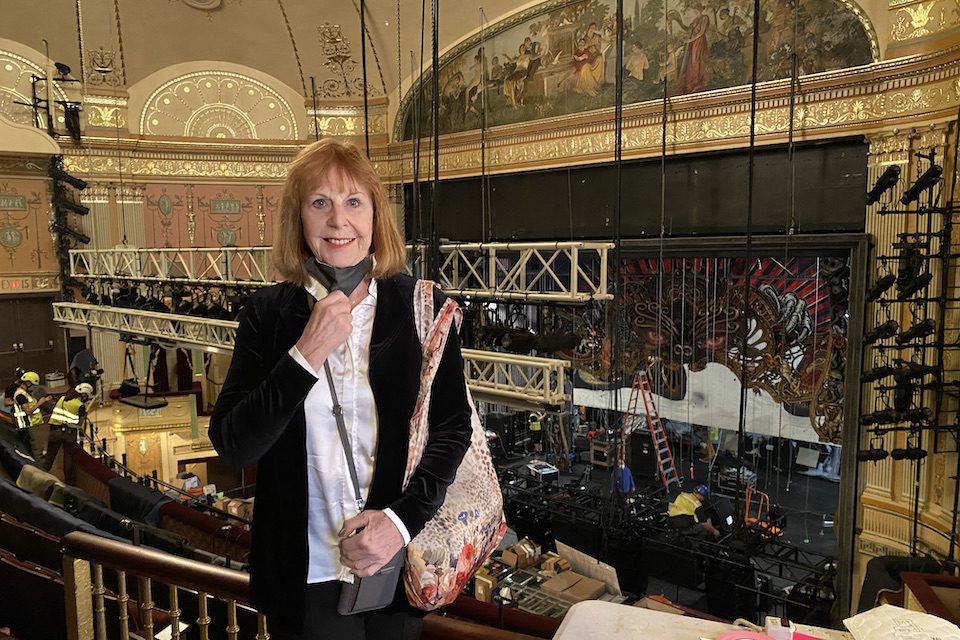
column 223, row 102
column 558, row 57
column 18, row 64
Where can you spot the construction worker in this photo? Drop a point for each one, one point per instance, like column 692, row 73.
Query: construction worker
column 687, row 514
column 68, row 418
column 27, row 414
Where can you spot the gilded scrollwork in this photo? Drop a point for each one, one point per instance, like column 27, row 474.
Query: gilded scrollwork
column 913, row 20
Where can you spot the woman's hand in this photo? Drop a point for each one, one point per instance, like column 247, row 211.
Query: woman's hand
column 377, row 540
column 329, row 327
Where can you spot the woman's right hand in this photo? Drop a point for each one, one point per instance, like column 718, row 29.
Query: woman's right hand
column 329, row 327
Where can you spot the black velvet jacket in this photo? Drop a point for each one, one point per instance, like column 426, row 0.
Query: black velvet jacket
column 259, row 419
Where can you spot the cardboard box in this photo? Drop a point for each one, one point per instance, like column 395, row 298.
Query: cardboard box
column 573, row 587
column 657, row 605
column 509, row 557
column 483, row 587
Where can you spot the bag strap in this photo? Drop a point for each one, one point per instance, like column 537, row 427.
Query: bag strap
column 344, row 437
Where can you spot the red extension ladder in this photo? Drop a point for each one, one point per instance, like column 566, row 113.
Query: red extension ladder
column 641, row 389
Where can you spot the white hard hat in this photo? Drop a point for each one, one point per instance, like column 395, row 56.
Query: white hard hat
column 84, row 388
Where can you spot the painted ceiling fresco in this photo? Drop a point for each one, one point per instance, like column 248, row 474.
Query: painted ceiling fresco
column 560, row 58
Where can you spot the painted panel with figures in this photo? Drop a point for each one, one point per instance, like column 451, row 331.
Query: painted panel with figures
column 560, row 59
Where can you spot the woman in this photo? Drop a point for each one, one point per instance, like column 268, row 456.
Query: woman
column 275, row 409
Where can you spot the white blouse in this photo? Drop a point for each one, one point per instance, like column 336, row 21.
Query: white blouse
column 330, row 496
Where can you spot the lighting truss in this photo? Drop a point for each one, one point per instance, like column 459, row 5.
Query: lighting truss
column 510, row 376
column 225, row 266
column 179, row 329
column 534, row 271
column 496, row 375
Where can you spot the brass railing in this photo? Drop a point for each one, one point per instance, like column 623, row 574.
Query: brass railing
column 216, row 595
column 85, row 558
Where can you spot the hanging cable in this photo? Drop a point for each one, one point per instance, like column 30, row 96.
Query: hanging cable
column 747, row 260
column 616, row 361
column 313, row 92
column 293, row 43
column 485, row 231
column 434, row 249
column 363, row 69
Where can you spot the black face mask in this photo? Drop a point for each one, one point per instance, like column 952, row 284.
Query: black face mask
column 343, row 279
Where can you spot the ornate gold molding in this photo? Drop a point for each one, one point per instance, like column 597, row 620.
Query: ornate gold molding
column 914, row 20
column 908, row 90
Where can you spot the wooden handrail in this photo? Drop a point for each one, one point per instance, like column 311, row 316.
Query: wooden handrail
column 225, row 584
column 169, row 569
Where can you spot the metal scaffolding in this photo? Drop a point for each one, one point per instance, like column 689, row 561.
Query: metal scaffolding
column 491, row 375
column 177, row 329
column 566, row 272
column 571, row 272
column 508, row 376
column 225, row 266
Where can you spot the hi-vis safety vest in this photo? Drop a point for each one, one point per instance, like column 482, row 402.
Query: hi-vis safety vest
column 66, row 412
column 35, row 418
column 686, row 504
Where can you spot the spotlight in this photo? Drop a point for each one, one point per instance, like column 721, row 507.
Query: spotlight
column 61, row 201
column 57, row 173
column 872, row 454
column 926, row 181
column 62, row 69
column 878, row 373
column 887, row 180
column 886, row 416
column 67, row 231
column 910, row 453
column 880, row 287
column 886, row 330
column 902, row 395
column 917, row 415
column 919, row 330
column 912, row 370
column 71, row 118
column 913, row 286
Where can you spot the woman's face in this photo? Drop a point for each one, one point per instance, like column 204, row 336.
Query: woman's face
column 337, row 220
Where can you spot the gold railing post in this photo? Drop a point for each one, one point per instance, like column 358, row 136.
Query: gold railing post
column 174, row 613
column 146, row 607
column 203, row 619
column 232, row 627
column 99, row 606
column 122, row 600
column 262, row 633
column 79, row 605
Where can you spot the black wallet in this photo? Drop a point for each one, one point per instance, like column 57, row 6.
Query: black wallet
column 372, row 592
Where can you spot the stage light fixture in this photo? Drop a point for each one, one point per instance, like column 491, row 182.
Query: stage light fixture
column 913, row 370
column 873, row 454
column 877, row 373
column 61, row 201
column 67, row 231
column 927, row 180
column 71, row 118
column 914, row 286
column 57, row 173
column 880, row 287
column 886, row 330
column 63, row 69
column 885, row 416
column 887, row 180
column 919, row 330
column 910, row 453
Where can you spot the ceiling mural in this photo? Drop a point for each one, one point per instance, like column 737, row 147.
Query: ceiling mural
column 218, row 104
column 560, row 58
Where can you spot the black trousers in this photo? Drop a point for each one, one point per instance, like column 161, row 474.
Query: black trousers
column 321, row 620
